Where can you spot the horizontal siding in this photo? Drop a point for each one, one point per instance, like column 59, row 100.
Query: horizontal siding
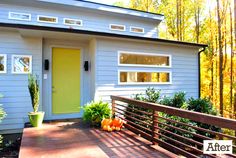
column 184, row 69
column 16, row 101
column 92, row 20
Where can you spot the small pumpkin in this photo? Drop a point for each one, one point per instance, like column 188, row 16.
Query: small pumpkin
column 117, row 122
column 109, row 129
column 117, row 128
column 113, row 128
column 107, row 122
column 105, row 128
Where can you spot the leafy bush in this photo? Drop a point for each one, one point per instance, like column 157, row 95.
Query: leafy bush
column 34, row 91
column 178, row 101
column 205, row 106
column 151, row 95
column 94, row 112
column 2, row 116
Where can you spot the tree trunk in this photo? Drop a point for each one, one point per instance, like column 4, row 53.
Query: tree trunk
column 231, row 60
column 212, row 59
column 221, row 88
column 197, row 20
column 177, row 19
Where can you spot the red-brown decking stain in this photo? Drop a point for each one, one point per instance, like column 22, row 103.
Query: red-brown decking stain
column 75, row 139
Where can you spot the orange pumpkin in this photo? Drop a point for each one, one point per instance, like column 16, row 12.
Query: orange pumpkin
column 109, row 129
column 105, row 128
column 107, row 122
column 117, row 122
column 113, row 128
column 117, row 128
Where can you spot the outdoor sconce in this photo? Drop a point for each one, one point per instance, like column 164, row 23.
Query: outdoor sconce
column 86, row 65
column 46, row 64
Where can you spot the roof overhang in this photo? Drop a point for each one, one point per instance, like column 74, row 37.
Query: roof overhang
column 102, row 34
column 106, row 8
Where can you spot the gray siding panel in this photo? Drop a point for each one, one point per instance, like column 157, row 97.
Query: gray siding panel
column 184, row 69
column 14, row 87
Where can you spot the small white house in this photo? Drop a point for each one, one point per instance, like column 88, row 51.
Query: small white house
column 83, row 51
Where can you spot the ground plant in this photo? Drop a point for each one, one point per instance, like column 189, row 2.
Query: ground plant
column 2, row 116
column 178, row 100
column 94, row 112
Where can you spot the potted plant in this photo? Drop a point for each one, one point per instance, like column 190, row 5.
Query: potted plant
column 35, row 117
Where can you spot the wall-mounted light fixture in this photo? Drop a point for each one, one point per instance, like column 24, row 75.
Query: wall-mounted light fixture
column 46, row 64
column 86, row 65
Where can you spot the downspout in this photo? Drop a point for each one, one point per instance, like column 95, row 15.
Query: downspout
column 199, row 71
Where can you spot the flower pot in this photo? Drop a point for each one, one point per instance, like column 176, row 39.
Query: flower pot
column 36, row 118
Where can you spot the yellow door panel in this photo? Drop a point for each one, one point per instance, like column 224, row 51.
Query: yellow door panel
column 65, row 80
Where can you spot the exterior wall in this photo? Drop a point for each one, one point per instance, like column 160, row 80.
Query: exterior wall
column 184, row 68
column 92, row 20
column 86, row 78
column 14, row 87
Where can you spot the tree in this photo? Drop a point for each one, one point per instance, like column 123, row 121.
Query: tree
column 220, row 60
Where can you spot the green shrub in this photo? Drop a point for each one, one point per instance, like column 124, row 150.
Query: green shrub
column 151, row 95
column 94, row 112
column 34, row 91
column 178, row 100
column 204, row 105
column 2, row 116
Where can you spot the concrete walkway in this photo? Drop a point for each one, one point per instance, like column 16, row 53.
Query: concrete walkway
column 74, row 139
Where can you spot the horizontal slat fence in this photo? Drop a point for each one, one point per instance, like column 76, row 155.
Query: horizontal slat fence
column 178, row 130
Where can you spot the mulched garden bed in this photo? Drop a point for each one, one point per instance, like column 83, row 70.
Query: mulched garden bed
column 10, row 146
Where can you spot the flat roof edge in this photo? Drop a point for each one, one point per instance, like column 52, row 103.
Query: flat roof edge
column 104, row 34
column 106, row 8
column 121, row 7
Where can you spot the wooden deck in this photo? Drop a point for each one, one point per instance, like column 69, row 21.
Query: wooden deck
column 74, row 139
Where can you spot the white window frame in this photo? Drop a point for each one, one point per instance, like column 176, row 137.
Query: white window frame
column 130, row 29
column 13, row 18
column 4, row 64
column 31, row 64
column 38, row 16
column 64, row 22
column 117, row 29
column 145, row 83
column 141, row 65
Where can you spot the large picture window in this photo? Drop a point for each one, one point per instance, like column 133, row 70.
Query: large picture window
column 138, row 59
column 144, row 77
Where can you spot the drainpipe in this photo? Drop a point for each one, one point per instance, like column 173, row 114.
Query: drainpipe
column 199, row 71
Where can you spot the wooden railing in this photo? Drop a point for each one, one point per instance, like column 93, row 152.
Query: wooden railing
column 177, row 130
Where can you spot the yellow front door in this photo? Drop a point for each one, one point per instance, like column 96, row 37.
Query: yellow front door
column 65, row 80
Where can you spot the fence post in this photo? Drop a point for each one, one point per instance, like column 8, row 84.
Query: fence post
column 113, row 104
column 154, row 124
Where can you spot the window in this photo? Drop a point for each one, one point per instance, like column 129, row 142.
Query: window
column 136, row 29
column 47, row 19
column 137, row 77
column 117, row 27
column 73, row 22
column 3, row 63
column 19, row 16
column 138, row 59
column 21, row 64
